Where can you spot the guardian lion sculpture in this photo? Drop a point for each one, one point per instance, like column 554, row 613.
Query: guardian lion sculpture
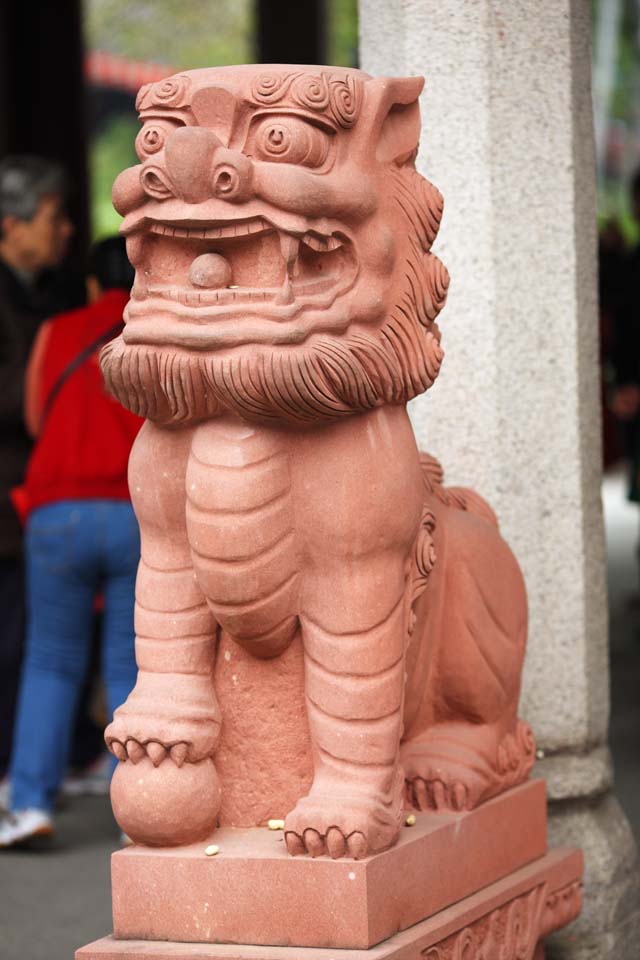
column 283, row 314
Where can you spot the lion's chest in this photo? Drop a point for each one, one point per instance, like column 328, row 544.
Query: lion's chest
column 241, row 527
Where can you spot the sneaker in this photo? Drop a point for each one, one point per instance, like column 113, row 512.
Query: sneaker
column 92, row 781
column 24, row 825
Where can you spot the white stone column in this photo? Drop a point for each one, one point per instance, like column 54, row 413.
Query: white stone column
column 508, row 139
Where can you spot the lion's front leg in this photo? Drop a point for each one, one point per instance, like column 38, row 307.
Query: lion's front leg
column 166, row 732
column 172, row 711
column 354, row 629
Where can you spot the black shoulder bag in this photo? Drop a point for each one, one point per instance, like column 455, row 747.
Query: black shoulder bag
column 73, row 365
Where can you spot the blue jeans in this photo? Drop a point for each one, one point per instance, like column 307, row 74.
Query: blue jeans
column 74, row 550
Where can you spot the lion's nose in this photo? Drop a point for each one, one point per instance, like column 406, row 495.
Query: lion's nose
column 200, row 167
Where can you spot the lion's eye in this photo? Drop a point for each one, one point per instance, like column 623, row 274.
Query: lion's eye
column 152, row 137
column 289, row 140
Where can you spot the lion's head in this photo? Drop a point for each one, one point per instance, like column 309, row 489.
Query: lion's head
column 281, row 239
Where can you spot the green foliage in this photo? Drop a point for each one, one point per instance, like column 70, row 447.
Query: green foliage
column 623, row 103
column 342, row 32
column 184, row 35
column 111, row 151
column 623, row 122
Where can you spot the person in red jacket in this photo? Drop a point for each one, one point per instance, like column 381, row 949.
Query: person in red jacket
column 81, row 541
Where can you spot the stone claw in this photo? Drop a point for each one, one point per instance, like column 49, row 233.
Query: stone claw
column 294, row 843
column 156, row 752
column 135, row 750
column 314, row 842
column 336, row 843
column 438, row 795
column 118, row 750
column 357, row 845
column 178, row 753
column 420, row 795
column 459, row 796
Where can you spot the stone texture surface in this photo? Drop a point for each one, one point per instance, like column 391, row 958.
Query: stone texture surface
column 506, row 919
column 569, row 775
column 253, row 892
column 610, row 927
column 507, row 135
column 261, row 721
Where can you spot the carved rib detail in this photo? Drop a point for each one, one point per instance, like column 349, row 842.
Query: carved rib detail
column 239, row 582
column 240, row 527
column 355, row 697
column 355, row 688
column 351, row 653
column 358, row 774
column 162, row 656
column 167, row 590
column 174, row 626
column 230, row 564
column 161, row 624
column 357, row 741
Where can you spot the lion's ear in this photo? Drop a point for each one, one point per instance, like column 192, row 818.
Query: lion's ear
column 398, row 118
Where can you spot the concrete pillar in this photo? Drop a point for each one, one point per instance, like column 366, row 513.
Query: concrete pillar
column 508, row 139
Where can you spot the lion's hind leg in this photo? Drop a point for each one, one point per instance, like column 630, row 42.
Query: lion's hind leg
column 472, row 745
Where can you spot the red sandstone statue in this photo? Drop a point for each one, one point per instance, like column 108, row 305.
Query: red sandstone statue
column 282, row 316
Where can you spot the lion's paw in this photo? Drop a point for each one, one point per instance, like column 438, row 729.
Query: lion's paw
column 137, row 733
column 341, row 827
column 443, row 791
column 458, row 767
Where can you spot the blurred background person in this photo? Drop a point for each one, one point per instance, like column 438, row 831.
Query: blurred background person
column 34, row 235
column 81, row 540
column 625, row 398
column 612, row 266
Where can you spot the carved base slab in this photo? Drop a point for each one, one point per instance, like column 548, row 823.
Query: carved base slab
column 254, row 892
column 507, row 920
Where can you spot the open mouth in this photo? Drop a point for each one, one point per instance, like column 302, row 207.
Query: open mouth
column 217, row 270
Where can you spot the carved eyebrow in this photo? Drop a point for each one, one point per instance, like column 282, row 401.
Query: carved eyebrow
column 323, row 123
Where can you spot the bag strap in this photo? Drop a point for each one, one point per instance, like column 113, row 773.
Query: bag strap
column 73, row 365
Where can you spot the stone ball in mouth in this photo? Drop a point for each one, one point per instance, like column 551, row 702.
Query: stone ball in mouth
column 211, row 271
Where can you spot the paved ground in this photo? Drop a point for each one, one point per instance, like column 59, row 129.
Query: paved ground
column 52, row 902
column 623, row 534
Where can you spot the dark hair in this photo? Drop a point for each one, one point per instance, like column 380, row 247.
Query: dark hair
column 24, row 181
column 108, row 263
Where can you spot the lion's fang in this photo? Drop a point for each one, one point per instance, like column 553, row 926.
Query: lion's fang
column 289, row 247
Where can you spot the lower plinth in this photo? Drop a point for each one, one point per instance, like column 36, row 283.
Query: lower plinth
column 509, row 918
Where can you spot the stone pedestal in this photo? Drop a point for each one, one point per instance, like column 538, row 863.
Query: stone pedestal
column 481, row 879
column 254, row 892
column 507, row 136
column 509, row 918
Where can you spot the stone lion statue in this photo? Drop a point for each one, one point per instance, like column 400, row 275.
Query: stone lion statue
column 324, row 630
